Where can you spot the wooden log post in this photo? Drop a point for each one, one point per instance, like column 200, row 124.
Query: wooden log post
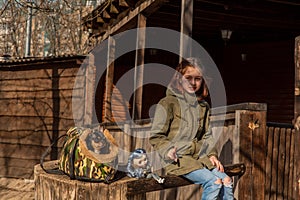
column 250, row 148
column 245, row 128
column 296, row 186
column 83, row 93
column 139, row 67
column 186, row 28
column 296, row 166
column 90, row 74
column 109, row 80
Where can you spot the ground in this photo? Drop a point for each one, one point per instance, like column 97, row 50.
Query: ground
column 15, row 189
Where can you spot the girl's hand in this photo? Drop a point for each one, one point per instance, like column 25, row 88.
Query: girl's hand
column 172, row 154
column 216, row 163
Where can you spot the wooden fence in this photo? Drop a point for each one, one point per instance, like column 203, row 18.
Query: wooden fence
column 282, row 162
column 35, row 108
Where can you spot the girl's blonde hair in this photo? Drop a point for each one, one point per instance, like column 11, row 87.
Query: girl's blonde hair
column 176, row 84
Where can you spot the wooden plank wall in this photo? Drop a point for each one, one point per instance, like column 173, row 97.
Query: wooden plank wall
column 35, row 107
column 282, row 169
column 257, row 78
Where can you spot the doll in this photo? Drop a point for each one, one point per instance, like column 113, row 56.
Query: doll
column 139, row 166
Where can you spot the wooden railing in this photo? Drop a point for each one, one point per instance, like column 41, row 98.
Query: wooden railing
column 240, row 130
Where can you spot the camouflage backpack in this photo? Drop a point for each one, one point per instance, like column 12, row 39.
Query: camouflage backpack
column 89, row 155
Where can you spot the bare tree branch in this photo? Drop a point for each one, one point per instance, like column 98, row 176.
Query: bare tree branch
column 56, row 27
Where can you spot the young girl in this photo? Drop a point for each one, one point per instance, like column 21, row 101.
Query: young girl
column 182, row 136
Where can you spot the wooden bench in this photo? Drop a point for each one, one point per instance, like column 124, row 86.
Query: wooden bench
column 242, row 140
column 55, row 186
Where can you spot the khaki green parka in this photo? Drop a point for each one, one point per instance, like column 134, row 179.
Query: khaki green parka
column 183, row 122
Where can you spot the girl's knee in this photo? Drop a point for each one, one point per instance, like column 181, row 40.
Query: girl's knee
column 214, row 184
column 227, row 181
column 218, row 182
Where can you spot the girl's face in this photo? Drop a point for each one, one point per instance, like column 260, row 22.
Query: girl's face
column 140, row 162
column 192, row 80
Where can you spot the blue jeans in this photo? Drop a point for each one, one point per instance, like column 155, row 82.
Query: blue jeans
column 211, row 190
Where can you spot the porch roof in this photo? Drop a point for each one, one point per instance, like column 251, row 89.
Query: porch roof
column 249, row 19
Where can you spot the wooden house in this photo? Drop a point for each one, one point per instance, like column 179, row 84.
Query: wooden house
column 257, row 62
column 255, row 46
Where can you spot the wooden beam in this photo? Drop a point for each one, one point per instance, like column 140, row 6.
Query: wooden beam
column 90, row 73
column 186, row 28
column 100, row 20
column 109, row 80
column 139, row 67
column 123, row 3
column 106, row 15
column 113, row 9
column 148, row 6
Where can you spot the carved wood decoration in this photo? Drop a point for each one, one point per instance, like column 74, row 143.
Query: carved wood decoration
column 110, row 16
